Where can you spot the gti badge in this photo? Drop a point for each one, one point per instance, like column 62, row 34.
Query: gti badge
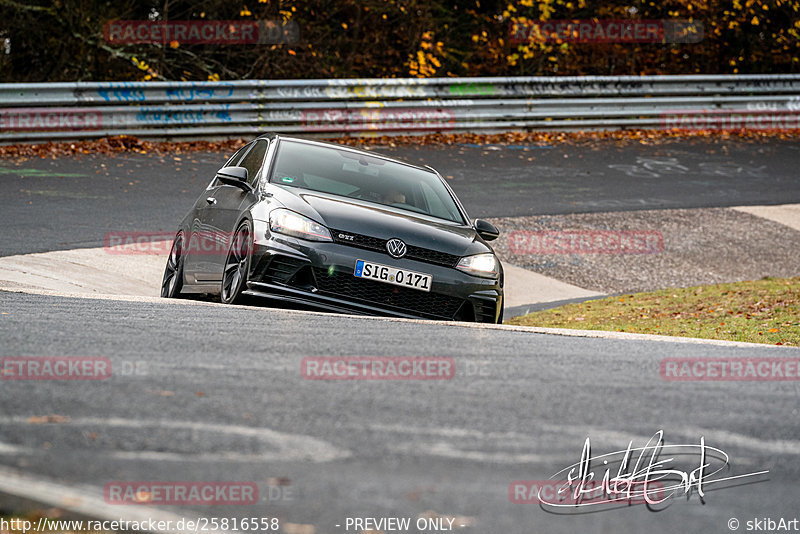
column 396, row 248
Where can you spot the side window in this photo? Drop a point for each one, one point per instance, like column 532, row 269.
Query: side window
column 436, row 207
column 232, row 161
column 253, row 160
column 237, row 156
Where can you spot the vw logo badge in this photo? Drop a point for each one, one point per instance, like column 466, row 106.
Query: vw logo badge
column 396, row 248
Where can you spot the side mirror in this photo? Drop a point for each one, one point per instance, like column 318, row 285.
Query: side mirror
column 235, row 176
column 486, row 230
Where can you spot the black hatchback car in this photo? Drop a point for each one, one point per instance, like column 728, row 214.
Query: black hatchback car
column 332, row 227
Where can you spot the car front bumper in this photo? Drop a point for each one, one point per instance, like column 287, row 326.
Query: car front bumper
column 320, row 274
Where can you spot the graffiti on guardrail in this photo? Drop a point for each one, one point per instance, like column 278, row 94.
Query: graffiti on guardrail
column 125, row 92
column 165, row 118
column 199, row 92
column 472, row 89
column 327, row 120
column 121, row 92
column 572, row 88
column 352, row 91
column 367, row 106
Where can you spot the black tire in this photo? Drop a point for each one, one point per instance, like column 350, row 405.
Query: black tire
column 172, row 283
column 237, row 264
column 500, row 319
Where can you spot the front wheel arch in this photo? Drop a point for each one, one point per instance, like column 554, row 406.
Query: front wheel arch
column 172, row 281
column 236, row 269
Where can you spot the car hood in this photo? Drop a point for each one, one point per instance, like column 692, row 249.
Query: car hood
column 359, row 217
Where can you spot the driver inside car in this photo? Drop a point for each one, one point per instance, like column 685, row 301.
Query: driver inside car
column 393, row 196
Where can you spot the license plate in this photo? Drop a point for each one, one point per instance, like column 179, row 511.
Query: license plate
column 393, row 275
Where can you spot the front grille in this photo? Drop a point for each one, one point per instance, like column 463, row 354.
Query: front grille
column 360, row 241
column 432, row 256
column 429, row 304
column 415, row 253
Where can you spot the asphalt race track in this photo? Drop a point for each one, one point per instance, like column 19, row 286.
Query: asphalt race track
column 519, row 407
column 71, row 202
column 204, row 392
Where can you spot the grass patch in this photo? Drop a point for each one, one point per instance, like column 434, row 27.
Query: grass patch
column 761, row 311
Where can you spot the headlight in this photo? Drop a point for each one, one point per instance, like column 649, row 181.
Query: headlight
column 287, row 222
column 484, row 265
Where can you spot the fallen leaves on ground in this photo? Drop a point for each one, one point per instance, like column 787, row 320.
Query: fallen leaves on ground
column 124, row 144
column 121, row 144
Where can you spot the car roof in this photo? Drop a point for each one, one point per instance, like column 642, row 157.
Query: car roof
column 347, row 148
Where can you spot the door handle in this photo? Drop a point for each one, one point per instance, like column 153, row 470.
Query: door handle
column 211, row 200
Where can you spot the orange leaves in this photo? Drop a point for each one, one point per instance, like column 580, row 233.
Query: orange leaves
column 623, row 137
column 425, row 63
column 127, row 143
column 112, row 145
column 769, row 31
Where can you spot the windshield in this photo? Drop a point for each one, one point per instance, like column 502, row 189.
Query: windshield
column 347, row 174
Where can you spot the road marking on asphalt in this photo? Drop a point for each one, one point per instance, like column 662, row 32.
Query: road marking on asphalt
column 439, row 441
column 7, row 448
column 80, row 500
column 444, row 449
column 546, row 432
column 278, row 446
column 734, row 439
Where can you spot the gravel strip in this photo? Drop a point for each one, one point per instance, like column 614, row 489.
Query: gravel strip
column 700, row 246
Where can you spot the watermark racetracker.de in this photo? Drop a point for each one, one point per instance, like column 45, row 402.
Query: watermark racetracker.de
column 187, row 493
column 377, row 368
column 199, row 243
column 528, row 242
column 730, row 119
column 49, row 119
column 68, row 368
column 392, row 368
column 560, row 491
column 184, row 32
column 730, row 369
column 55, row 368
column 605, row 31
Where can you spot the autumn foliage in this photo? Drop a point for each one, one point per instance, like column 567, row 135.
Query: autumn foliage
column 62, row 40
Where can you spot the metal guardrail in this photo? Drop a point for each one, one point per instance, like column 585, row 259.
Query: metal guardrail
column 394, row 106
